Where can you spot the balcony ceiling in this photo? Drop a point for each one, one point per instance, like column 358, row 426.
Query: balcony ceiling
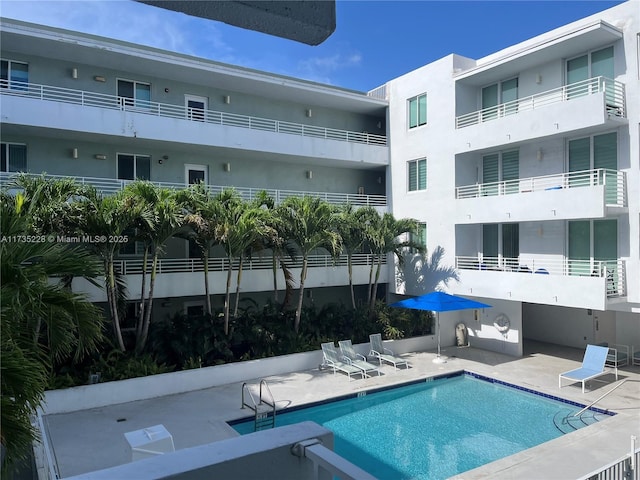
column 108, row 54
column 564, row 44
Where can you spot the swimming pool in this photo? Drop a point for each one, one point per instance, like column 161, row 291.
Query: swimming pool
column 437, row 428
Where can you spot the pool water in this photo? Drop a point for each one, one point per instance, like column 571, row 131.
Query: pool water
column 435, row 429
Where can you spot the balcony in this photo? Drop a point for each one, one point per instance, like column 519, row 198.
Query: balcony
column 181, row 277
column 537, row 279
column 109, row 186
column 97, row 113
column 573, row 195
column 599, row 101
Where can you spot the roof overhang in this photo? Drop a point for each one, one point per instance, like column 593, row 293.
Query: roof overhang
column 557, row 44
column 109, row 54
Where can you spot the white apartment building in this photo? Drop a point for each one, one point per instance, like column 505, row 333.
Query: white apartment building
column 524, row 165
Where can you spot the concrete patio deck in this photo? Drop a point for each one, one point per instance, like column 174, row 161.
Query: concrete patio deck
column 88, row 440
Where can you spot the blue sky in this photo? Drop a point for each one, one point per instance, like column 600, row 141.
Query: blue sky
column 374, row 41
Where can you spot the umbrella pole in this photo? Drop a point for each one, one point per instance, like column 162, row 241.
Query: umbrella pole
column 438, row 358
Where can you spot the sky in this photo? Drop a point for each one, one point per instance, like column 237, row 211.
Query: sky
column 374, row 41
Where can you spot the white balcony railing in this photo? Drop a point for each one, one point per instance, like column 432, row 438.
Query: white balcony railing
column 191, row 265
column 614, row 98
column 114, row 102
column 110, row 186
column 613, row 180
column 612, row 270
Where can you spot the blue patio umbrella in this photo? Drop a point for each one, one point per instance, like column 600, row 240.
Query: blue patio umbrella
column 439, row 302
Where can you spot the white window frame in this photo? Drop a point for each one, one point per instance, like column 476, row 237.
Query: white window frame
column 196, row 167
column 417, row 100
column 9, row 83
column 7, row 145
column 135, row 164
column 133, row 102
column 417, row 187
column 191, row 114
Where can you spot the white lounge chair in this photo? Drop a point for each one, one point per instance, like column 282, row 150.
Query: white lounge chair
column 356, row 359
column 331, row 359
column 593, row 365
column 384, row 354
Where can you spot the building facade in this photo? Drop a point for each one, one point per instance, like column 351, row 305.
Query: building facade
column 523, row 165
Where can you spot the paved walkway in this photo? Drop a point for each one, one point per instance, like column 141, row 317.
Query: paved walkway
column 94, row 439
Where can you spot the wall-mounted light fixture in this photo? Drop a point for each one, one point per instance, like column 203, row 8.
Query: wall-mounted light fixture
column 539, row 154
column 227, row 99
column 74, row 152
column 100, row 156
column 74, row 72
column 309, row 113
column 538, row 78
column 309, row 174
column 227, row 167
column 379, row 124
column 166, row 90
column 163, row 159
column 380, row 180
column 99, row 78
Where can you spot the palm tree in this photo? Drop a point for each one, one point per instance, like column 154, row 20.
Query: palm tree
column 202, row 214
column 309, row 222
column 103, row 217
column 352, row 225
column 42, row 322
column 165, row 221
column 383, row 235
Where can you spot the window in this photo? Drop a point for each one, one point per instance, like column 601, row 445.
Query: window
column 592, row 243
column 417, row 170
column 500, row 167
column 131, row 167
column 595, row 152
column 419, row 237
column 598, row 63
column 136, row 94
column 418, row 111
column 132, row 247
column 14, row 157
column 501, row 245
column 494, row 98
column 14, row 75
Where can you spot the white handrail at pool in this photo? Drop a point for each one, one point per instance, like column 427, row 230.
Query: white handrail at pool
column 115, row 102
column 625, row 467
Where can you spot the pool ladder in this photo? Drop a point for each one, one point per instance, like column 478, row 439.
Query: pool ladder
column 264, row 409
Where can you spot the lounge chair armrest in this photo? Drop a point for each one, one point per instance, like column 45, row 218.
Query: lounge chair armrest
column 387, row 351
column 347, row 360
column 362, row 357
column 621, row 348
column 373, row 352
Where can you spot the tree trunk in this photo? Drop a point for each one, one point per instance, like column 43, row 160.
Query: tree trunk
column 142, row 340
column 303, row 276
column 226, row 297
column 370, row 286
column 206, row 280
column 238, row 280
column 374, row 292
column 140, row 319
column 350, row 267
column 113, row 303
column 274, row 264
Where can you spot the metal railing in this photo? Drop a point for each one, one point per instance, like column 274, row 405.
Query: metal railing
column 614, row 94
column 612, row 270
column 623, row 468
column 381, row 92
column 613, row 180
column 190, row 265
column 112, row 185
column 182, row 112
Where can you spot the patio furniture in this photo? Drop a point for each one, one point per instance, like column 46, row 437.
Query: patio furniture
column 635, row 357
column 356, row 359
column 384, row 354
column 332, row 359
column 593, row 365
column 618, row 356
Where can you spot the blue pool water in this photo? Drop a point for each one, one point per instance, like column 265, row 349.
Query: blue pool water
column 435, row 429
